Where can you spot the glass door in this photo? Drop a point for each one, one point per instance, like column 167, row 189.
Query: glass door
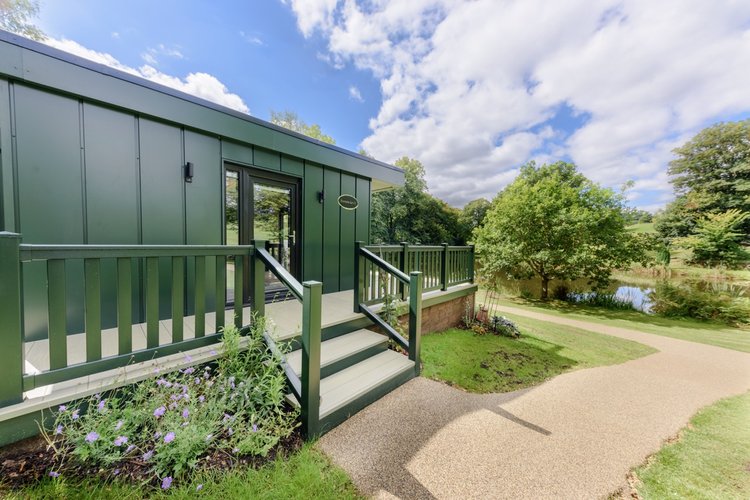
column 263, row 206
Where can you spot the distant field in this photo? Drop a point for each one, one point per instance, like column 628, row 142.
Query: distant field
column 646, row 227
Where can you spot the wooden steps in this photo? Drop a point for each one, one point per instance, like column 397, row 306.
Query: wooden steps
column 356, row 369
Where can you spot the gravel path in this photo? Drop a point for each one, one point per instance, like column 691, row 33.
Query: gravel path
column 575, row 436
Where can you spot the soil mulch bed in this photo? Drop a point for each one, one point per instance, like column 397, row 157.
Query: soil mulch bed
column 27, row 462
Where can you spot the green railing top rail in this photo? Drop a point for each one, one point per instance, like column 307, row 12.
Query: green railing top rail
column 385, row 266
column 279, row 271
column 34, row 252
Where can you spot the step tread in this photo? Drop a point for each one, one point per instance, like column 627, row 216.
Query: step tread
column 338, row 348
column 347, row 385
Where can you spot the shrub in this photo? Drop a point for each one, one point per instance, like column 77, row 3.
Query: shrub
column 504, row 326
column 718, row 302
column 601, row 299
column 169, row 423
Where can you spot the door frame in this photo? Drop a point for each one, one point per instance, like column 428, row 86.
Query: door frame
column 247, row 176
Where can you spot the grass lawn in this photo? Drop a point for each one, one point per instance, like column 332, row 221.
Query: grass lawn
column 306, row 474
column 491, row 363
column 710, row 459
column 644, row 227
column 685, row 329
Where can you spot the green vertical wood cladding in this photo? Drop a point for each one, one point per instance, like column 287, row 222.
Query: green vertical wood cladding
column 161, row 196
column 312, row 223
column 178, row 297
column 48, row 152
column 111, row 191
column 347, row 233
column 57, row 317
column 203, row 205
column 11, row 336
column 152, row 302
column 265, row 158
column 237, row 153
column 7, row 200
column 331, row 230
column 363, row 211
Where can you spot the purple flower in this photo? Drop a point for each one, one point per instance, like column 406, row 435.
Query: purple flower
column 121, row 440
column 188, row 371
column 197, row 380
column 118, row 425
column 175, row 397
column 201, row 398
column 75, row 414
column 59, row 430
column 169, row 437
column 54, row 474
column 130, row 448
column 166, row 482
column 255, row 428
column 62, row 408
column 91, row 437
column 172, row 406
column 157, row 435
column 116, row 472
column 227, row 417
column 184, row 389
column 161, row 381
column 147, row 456
column 185, row 413
column 199, row 487
column 98, row 396
column 160, row 411
column 101, row 404
column 212, row 352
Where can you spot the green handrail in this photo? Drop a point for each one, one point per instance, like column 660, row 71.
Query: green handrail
column 280, row 272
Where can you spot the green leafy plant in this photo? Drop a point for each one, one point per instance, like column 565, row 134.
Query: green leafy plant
column 167, row 425
column 716, row 239
column 719, row 302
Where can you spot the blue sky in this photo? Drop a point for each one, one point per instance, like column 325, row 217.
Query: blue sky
column 473, row 89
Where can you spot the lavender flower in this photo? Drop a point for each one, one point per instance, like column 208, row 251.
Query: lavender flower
column 54, row 474
column 58, row 430
column 185, row 413
column 121, row 440
column 212, row 352
column 118, row 425
column 157, row 435
column 189, row 370
column 201, row 398
column 116, row 472
column 255, row 428
column 62, row 408
column 75, row 414
column 160, row 411
column 91, row 437
column 166, row 482
column 147, row 456
column 101, row 404
column 199, row 487
column 169, row 437
column 130, row 448
column 197, row 380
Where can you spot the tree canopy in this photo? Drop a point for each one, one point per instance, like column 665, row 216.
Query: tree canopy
column 15, row 17
column 291, row 121
column 473, row 214
column 411, row 214
column 710, row 175
column 554, row 223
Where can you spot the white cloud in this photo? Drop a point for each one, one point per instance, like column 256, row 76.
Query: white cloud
column 199, row 84
column 250, row 38
column 355, row 94
column 150, row 56
column 469, row 88
column 115, row 35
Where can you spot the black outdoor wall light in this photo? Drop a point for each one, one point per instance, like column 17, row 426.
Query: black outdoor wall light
column 189, row 172
column 321, row 196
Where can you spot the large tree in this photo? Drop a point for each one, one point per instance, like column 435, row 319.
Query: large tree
column 554, row 223
column 411, row 214
column 291, row 121
column 710, row 175
column 473, row 214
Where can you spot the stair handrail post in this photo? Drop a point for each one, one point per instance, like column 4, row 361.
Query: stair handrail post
column 415, row 318
column 11, row 320
column 312, row 298
column 444, row 268
column 257, row 280
column 358, row 275
column 402, row 266
column 472, row 254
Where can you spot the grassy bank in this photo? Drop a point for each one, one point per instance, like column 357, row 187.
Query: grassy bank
column 684, row 329
column 306, row 474
column 709, row 459
column 491, row 363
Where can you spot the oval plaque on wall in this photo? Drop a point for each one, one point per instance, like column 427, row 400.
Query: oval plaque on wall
column 348, row 202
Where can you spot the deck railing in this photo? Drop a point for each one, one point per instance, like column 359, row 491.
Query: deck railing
column 442, row 266
column 14, row 256
column 369, row 267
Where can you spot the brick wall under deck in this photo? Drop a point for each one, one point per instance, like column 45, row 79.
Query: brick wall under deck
column 440, row 316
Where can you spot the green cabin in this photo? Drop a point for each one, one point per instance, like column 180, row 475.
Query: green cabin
column 136, row 221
